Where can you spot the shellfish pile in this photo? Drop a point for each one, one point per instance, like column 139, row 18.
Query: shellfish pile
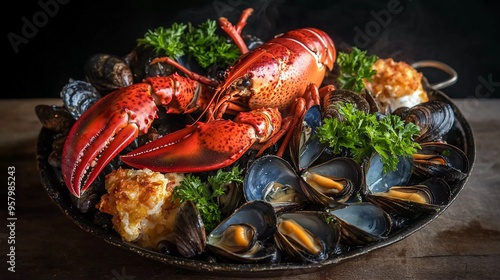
column 306, row 206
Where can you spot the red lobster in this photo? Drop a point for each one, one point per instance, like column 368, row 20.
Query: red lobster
column 262, row 85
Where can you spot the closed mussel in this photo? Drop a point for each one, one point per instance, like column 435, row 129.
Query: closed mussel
column 362, row 223
column 306, row 235
column 189, row 231
column 333, row 182
column 242, row 236
column 435, row 118
column 272, row 179
column 333, row 99
column 107, row 72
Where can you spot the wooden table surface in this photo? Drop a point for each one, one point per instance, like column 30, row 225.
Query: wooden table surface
column 462, row 243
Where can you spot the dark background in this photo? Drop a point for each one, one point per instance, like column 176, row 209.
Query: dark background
column 465, row 37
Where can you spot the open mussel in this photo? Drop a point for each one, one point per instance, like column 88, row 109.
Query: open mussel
column 412, row 200
column 436, row 159
column 306, row 235
column 107, row 72
column 242, row 236
column 333, row 182
column 272, row 179
column 376, row 180
column 362, row 223
column 304, row 146
column 435, row 118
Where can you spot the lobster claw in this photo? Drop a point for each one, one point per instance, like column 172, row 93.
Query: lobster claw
column 105, row 129
column 207, row 146
column 196, row 148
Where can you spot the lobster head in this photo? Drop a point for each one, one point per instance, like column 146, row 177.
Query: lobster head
column 277, row 72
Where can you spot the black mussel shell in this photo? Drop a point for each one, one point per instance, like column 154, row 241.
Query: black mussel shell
column 435, row 119
column 55, row 118
column 189, row 231
column 434, row 192
column 332, row 99
column 140, row 63
column 436, row 159
column 107, row 72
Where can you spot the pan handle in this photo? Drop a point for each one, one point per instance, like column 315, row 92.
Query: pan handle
column 440, row 66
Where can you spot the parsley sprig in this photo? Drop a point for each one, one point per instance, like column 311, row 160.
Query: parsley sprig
column 354, row 68
column 207, row 47
column 362, row 134
column 204, row 194
column 167, row 41
column 202, row 43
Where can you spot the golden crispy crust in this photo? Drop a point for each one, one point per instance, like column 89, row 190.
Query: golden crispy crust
column 396, row 80
column 141, row 204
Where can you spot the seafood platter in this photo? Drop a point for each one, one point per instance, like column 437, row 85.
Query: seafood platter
column 289, row 156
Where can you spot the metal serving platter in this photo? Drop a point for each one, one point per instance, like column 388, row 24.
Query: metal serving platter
column 460, row 135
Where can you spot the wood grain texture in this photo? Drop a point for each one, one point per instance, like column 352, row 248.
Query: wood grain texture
column 462, row 243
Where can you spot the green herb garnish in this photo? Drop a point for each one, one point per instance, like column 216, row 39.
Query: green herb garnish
column 204, row 194
column 207, row 47
column 167, row 41
column 202, row 43
column 355, row 67
column 362, row 134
